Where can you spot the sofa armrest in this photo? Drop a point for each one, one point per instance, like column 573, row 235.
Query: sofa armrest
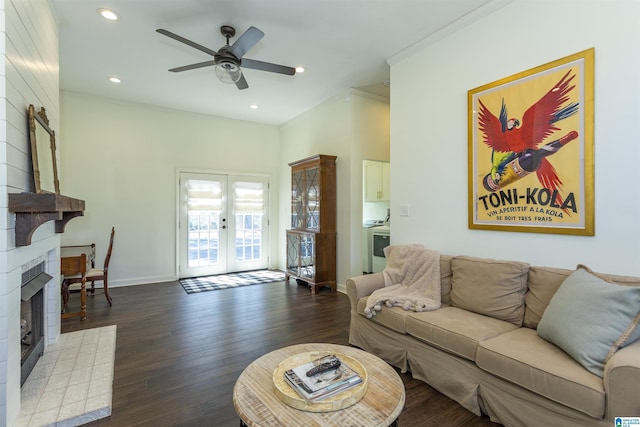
column 360, row 286
column 622, row 382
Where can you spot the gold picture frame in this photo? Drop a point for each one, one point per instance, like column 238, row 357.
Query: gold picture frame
column 530, row 152
column 43, row 152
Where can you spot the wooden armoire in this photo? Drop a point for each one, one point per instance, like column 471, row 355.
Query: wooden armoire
column 311, row 241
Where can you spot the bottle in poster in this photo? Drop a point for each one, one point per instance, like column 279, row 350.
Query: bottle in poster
column 525, row 163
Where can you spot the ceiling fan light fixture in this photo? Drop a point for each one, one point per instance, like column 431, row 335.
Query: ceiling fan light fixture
column 228, row 72
column 228, row 58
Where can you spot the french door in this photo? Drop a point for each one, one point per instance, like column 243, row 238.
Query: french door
column 223, row 223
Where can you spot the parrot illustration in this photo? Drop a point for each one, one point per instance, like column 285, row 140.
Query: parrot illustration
column 508, row 137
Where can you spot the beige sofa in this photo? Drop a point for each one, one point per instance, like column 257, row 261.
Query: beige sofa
column 482, row 347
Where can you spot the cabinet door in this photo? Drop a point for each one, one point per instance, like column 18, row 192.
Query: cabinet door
column 385, row 181
column 307, row 256
column 372, row 174
column 301, row 254
column 376, row 181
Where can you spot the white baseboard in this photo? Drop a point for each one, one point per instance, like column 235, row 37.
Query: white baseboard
column 141, row 281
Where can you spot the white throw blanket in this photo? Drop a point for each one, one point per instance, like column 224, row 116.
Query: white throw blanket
column 411, row 280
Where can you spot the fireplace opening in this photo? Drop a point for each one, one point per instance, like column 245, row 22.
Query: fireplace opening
column 32, row 318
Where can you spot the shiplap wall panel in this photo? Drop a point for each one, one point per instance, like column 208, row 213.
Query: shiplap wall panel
column 19, row 170
column 17, row 135
column 23, row 76
column 37, row 61
column 30, row 70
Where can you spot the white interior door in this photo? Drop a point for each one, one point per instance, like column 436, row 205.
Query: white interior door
column 223, row 224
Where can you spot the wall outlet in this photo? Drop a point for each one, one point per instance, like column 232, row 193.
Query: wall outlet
column 404, row 210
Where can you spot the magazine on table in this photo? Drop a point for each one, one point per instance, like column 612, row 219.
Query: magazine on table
column 324, row 384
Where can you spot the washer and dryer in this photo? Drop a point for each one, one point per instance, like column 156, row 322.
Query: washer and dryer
column 376, row 237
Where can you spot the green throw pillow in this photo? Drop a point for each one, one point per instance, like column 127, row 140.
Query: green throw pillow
column 590, row 318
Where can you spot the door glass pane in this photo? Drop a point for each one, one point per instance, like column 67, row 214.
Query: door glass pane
column 297, row 190
column 248, row 237
column 204, row 204
column 293, row 248
column 307, row 269
column 203, row 238
column 313, row 199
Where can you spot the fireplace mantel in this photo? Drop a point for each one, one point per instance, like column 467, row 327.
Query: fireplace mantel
column 34, row 209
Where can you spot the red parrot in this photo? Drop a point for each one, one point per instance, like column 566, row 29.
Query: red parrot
column 507, row 136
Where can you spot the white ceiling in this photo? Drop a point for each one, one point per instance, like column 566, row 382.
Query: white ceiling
column 341, row 43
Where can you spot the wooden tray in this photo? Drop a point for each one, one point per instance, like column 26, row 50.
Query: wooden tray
column 333, row 403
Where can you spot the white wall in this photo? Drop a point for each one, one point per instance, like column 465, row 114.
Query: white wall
column 429, row 129
column 371, row 136
column 135, row 151
column 29, row 76
column 123, row 158
column 350, row 126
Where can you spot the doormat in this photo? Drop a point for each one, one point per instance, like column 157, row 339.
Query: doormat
column 196, row 285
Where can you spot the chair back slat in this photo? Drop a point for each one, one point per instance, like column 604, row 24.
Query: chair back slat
column 74, row 269
column 108, row 257
column 75, row 250
column 72, row 265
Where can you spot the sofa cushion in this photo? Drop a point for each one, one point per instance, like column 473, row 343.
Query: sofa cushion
column 525, row 359
column 445, row 279
column 543, row 284
column 455, row 330
column 490, row 287
column 392, row 317
column 590, row 318
column 620, row 280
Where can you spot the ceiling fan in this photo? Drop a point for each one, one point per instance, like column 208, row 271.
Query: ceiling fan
column 229, row 58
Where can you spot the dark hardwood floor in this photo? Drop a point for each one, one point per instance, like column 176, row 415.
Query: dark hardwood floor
column 178, row 355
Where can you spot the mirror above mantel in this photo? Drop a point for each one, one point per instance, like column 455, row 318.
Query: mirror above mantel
column 46, row 204
column 43, row 152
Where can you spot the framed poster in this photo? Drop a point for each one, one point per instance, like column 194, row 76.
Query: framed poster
column 531, row 150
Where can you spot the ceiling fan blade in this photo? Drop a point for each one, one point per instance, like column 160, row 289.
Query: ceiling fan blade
column 246, row 41
column 242, row 83
column 193, row 66
column 267, row 66
column 187, row 41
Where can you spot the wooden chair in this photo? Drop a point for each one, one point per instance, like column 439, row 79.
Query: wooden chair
column 71, row 267
column 102, row 274
column 97, row 274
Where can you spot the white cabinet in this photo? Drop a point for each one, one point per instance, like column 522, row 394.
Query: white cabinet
column 376, row 181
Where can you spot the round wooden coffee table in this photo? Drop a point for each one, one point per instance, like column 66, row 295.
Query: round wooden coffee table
column 257, row 404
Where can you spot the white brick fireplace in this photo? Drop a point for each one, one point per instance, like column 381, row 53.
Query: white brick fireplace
column 50, row 307
column 45, row 250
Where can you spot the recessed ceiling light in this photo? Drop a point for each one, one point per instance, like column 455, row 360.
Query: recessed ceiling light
column 253, row 106
column 108, row 14
column 299, row 69
column 114, row 79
